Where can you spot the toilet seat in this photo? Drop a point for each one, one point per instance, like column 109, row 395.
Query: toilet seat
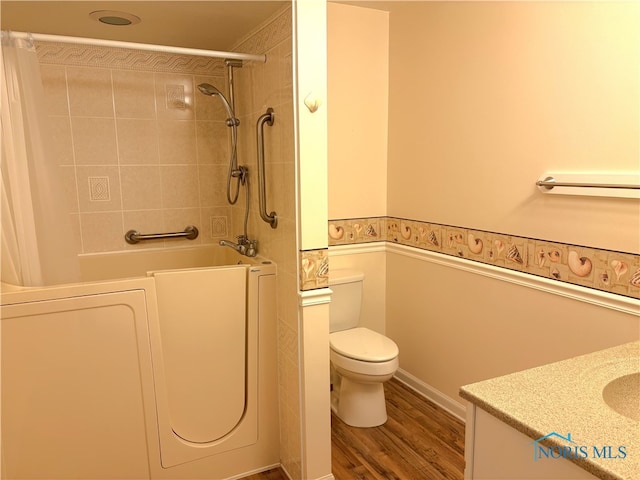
column 364, row 345
column 375, row 371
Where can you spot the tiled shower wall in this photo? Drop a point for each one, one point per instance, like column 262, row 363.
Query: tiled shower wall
column 140, row 148
column 260, row 86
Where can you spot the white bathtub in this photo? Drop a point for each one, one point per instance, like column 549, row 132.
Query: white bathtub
column 161, row 364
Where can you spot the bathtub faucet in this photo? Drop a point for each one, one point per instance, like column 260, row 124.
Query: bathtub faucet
column 243, row 247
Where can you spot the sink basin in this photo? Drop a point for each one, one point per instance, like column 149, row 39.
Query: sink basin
column 623, row 395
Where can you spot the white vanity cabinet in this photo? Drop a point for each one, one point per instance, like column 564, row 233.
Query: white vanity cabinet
column 570, row 431
column 495, row 450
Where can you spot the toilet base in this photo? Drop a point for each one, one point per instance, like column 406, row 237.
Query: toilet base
column 361, row 404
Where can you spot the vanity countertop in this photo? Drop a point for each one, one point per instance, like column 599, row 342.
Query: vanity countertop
column 567, row 397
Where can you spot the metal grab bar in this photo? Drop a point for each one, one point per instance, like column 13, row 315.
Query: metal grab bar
column 267, row 118
column 133, row 236
column 549, row 182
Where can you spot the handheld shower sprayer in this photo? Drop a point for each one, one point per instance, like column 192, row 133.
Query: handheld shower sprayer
column 212, row 91
column 245, row 246
column 232, row 122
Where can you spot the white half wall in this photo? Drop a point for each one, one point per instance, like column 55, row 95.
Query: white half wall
column 370, row 260
column 456, row 326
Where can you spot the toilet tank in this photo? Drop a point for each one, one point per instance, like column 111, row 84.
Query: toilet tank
column 346, row 301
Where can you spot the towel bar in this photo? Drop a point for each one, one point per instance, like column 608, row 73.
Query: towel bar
column 550, row 182
column 597, row 184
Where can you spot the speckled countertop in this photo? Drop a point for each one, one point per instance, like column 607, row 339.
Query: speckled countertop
column 570, row 393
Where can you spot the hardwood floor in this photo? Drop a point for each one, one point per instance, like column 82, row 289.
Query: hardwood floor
column 419, row 441
column 275, row 474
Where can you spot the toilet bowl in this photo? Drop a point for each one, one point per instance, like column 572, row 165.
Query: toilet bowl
column 361, row 359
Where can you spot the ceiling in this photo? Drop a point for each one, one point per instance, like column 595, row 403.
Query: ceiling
column 213, row 25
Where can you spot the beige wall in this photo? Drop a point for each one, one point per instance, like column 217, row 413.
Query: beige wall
column 454, row 327
column 487, row 96
column 484, row 97
column 358, row 87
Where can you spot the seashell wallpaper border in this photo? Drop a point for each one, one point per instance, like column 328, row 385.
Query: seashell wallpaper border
column 314, row 269
column 605, row 270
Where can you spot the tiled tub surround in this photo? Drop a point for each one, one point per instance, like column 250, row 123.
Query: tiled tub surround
column 259, row 86
column 609, row 271
column 138, row 146
column 194, row 140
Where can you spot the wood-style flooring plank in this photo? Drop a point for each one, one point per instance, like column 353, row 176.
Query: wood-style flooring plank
column 273, row 474
column 420, row 441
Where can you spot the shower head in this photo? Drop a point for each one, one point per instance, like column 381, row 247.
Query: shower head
column 208, row 89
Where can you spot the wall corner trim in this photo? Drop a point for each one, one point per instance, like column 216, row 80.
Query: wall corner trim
column 595, row 297
column 355, row 248
column 319, row 296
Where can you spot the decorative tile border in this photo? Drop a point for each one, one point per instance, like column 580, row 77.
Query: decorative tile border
column 314, row 269
column 127, row 59
column 271, row 33
column 606, row 270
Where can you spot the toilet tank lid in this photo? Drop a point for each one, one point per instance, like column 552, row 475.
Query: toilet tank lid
column 345, row 275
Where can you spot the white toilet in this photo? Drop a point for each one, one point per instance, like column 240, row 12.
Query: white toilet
column 361, row 359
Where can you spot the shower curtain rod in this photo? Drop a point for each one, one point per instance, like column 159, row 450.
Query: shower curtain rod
column 43, row 37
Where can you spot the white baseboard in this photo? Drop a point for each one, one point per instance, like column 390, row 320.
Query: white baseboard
column 324, row 477
column 256, row 471
column 443, row 401
column 357, row 248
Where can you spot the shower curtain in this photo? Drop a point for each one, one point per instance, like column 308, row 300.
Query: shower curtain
column 37, row 247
